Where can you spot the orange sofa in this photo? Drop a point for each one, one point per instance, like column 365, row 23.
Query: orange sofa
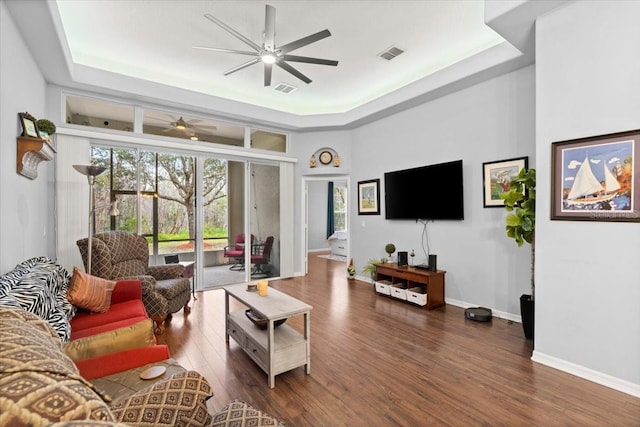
column 40, row 286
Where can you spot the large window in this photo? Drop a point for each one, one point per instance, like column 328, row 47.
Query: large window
column 157, row 122
column 119, row 116
column 155, row 195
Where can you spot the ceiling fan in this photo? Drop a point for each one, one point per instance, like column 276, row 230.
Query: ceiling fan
column 189, row 127
column 270, row 54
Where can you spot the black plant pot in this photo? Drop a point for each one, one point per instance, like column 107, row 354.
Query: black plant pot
column 527, row 305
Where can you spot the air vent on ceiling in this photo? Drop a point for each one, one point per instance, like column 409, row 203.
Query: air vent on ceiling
column 391, row 53
column 284, row 88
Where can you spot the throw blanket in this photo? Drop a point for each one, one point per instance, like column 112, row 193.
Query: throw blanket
column 40, row 286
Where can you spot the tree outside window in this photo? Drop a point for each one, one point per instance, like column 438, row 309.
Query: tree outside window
column 168, row 194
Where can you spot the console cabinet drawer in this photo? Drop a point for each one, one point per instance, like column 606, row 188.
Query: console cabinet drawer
column 256, row 352
column 236, row 332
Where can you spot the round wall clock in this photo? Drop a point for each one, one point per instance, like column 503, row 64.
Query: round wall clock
column 326, row 157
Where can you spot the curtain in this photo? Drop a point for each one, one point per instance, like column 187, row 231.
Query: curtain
column 331, row 224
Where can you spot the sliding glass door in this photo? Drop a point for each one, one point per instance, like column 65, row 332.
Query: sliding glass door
column 157, row 195
column 264, row 220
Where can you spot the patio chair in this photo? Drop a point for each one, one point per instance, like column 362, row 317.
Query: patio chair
column 261, row 259
column 235, row 252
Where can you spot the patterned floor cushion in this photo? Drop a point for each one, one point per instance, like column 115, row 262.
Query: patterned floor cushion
column 179, row 401
column 240, row 414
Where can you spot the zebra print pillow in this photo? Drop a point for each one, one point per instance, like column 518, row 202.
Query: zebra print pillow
column 40, row 286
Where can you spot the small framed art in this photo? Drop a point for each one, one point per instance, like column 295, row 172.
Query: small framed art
column 496, row 177
column 369, row 197
column 596, row 178
column 29, row 125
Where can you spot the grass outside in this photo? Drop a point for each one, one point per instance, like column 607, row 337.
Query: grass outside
column 180, row 246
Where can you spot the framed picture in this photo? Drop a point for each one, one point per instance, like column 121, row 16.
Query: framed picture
column 29, row 125
column 496, row 177
column 596, row 178
column 369, row 197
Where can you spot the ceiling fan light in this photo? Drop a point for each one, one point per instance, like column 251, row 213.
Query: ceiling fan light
column 180, row 126
column 268, row 58
column 193, row 138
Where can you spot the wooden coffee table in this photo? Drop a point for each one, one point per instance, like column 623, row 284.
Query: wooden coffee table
column 274, row 350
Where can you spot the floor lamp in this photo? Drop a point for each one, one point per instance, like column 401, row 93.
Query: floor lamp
column 90, row 172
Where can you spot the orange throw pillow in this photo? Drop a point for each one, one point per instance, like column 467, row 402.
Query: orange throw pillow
column 90, row 292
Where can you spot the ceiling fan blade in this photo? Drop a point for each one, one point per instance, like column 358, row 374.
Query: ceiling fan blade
column 267, row 74
column 217, row 49
column 163, row 120
column 233, row 32
column 293, row 71
column 270, row 28
column 304, row 41
column 205, row 127
column 294, row 58
column 241, row 66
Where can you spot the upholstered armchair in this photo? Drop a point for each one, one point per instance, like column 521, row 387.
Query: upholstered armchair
column 117, row 255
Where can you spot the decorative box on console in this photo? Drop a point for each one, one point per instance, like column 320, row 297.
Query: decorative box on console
column 399, row 290
column 417, row 295
column 383, row 287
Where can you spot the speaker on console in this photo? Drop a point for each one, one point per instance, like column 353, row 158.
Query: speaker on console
column 402, row 259
column 433, row 262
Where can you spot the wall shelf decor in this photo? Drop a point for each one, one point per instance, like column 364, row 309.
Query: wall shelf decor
column 325, row 157
column 32, row 148
column 30, row 152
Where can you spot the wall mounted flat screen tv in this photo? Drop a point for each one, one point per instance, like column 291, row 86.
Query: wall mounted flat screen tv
column 432, row 192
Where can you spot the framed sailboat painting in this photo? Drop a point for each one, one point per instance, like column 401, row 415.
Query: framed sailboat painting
column 597, row 178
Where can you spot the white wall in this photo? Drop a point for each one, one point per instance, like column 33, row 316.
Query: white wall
column 491, row 121
column 588, row 281
column 26, row 206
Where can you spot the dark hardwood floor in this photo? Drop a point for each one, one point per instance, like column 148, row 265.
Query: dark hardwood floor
column 376, row 361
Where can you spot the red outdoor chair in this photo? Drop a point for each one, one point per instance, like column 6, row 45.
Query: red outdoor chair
column 261, row 259
column 235, row 252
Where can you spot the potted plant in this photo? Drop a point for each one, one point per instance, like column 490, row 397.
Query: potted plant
column 47, row 126
column 370, row 268
column 520, row 202
column 389, row 248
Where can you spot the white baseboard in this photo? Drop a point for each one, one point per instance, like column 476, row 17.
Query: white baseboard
column 587, row 373
column 328, row 248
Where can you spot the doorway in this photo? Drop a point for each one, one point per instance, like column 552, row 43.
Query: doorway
column 316, row 231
